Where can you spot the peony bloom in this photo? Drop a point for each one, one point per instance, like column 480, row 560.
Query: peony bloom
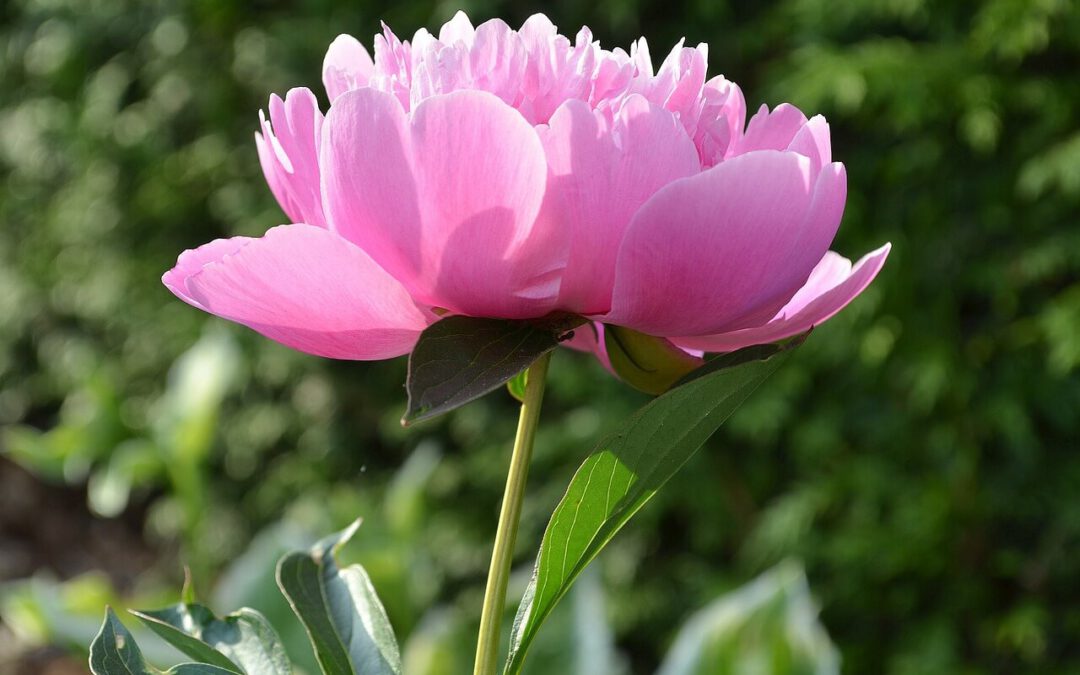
column 499, row 173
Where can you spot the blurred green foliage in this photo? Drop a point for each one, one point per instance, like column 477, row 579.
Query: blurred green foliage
column 920, row 454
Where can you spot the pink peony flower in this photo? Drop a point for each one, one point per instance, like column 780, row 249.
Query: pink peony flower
column 500, row 173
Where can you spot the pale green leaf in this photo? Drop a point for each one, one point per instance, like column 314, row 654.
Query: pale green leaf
column 767, row 626
column 340, row 610
column 243, row 641
column 114, row 652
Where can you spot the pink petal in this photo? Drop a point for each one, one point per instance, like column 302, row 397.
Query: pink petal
column 437, row 68
column 347, row 66
column 497, row 61
column 771, row 130
column 304, row 287
column 445, row 200
column 727, row 247
column 490, row 58
column 590, row 339
column 289, row 155
column 813, row 141
column 393, row 66
column 831, row 286
column 192, row 261
column 679, row 82
column 600, row 173
column 457, row 29
column 271, row 159
column 721, row 121
column 639, row 56
column 555, row 69
column 369, row 192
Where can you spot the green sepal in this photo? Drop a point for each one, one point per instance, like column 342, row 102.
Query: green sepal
column 649, row 364
column 516, row 385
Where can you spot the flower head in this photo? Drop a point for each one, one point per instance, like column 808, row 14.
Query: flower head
column 500, row 173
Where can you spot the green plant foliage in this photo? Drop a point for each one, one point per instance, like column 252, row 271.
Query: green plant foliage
column 243, row 641
column 114, row 652
column 770, row 625
column 339, row 608
column 460, row 358
column 623, row 473
column 344, row 619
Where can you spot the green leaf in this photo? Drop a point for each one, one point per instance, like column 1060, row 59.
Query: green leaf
column 180, row 626
column 242, row 642
column 769, row 625
column 340, row 610
column 625, row 471
column 461, row 358
column 649, row 364
column 114, row 652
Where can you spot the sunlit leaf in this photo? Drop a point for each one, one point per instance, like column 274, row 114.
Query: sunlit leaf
column 625, row 471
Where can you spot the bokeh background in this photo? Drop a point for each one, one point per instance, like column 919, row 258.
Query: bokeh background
column 919, row 456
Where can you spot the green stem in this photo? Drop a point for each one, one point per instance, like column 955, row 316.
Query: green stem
column 487, row 643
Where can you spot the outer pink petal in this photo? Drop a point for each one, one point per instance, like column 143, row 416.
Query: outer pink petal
column 347, row 66
column 272, row 159
column 446, row 200
column 289, row 154
column 726, row 248
column 600, row 173
column 832, row 285
column 192, row 261
column 304, row 287
column 369, row 191
column 482, row 175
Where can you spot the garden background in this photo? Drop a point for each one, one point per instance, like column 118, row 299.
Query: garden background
column 920, row 455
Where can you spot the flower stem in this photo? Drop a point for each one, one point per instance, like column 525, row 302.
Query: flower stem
column 487, row 643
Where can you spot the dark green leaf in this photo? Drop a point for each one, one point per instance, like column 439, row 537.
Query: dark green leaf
column 718, row 362
column 114, row 652
column 461, row 358
column 243, row 642
column 649, row 364
column 340, row 610
column 623, row 473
